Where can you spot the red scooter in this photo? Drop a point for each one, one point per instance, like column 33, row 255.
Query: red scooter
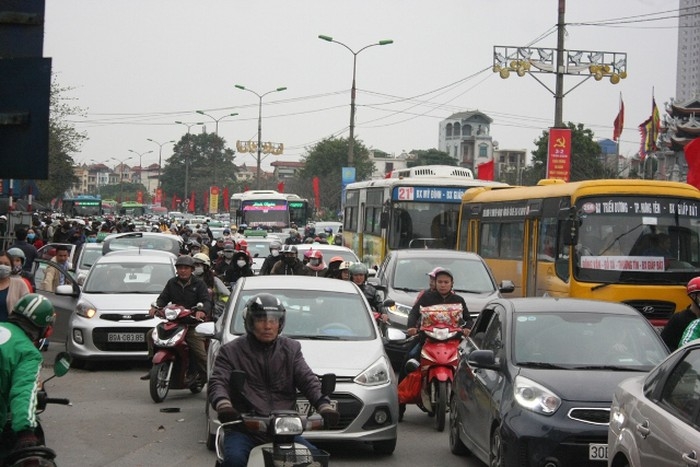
column 172, row 367
column 438, row 363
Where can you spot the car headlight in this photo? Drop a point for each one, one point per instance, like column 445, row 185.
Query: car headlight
column 535, row 397
column 377, row 373
column 400, row 309
column 85, row 309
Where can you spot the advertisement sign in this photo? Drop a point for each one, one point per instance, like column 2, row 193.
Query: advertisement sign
column 559, row 154
column 213, row 199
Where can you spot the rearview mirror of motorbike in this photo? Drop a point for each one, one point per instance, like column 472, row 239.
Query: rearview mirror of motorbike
column 199, row 306
column 62, row 364
column 327, row 384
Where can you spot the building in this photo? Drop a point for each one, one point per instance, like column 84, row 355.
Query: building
column 466, row 137
column 688, row 61
column 509, row 165
column 384, row 163
column 285, row 170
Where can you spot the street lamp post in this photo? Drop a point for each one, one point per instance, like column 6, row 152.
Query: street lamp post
column 121, row 175
column 259, row 148
column 189, row 150
column 351, row 137
column 217, row 119
column 140, row 154
column 160, row 153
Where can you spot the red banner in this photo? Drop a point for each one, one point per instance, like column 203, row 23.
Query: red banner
column 692, row 157
column 559, row 154
column 190, row 204
column 485, row 171
column 159, row 197
column 317, row 193
column 226, row 199
column 280, row 187
column 173, row 203
column 139, row 196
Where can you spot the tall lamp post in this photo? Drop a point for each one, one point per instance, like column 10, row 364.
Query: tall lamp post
column 160, row 154
column 121, row 175
column 259, row 148
column 189, row 150
column 216, row 119
column 351, row 138
column 140, row 154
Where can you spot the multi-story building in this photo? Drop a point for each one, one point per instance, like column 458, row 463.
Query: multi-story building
column 688, row 55
column 385, row 163
column 466, row 137
column 509, row 165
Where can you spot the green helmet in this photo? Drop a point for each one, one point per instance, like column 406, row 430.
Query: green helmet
column 358, row 268
column 36, row 308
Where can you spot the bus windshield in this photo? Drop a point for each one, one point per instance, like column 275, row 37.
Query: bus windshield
column 625, row 239
column 423, row 225
column 271, row 213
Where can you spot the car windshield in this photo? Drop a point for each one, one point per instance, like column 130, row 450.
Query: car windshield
column 470, row 275
column 146, row 242
column 113, row 278
column 346, row 254
column 258, row 248
column 316, row 315
column 585, row 340
column 89, row 256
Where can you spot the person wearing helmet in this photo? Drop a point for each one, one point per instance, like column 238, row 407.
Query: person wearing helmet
column 217, row 249
column 333, row 265
column 673, row 332
column 18, row 270
column 358, row 274
column 344, row 271
column 239, row 268
column 316, row 267
column 20, row 366
column 218, row 292
column 260, row 353
column 290, row 264
column 225, row 261
column 12, row 288
column 271, row 259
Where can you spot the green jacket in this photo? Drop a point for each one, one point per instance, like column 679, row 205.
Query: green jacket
column 691, row 333
column 20, row 366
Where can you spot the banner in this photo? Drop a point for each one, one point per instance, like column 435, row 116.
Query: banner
column 190, row 203
column 692, row 158
column 280, row 187
column 317, row 193
column 139, row 196
column 227, row 200
column 619, row 122
column 649, row 131
column 214, row 199
column 158, row 200
column 559, row 154
column 173, row 203
column 485, row 171
column 205, row 204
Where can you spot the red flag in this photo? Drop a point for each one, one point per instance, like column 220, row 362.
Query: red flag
column 692, row 158
column 226, row 199
column 619, row 121
column 173, row 203
column 139, row 196
column 317, row 192
column 190, row 205
column 485, row 170
column 280, row 187
column 206, row 201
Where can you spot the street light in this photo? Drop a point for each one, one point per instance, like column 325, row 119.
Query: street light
column 189, row 150
column 160, row 153
column 351, row 138
column 216, row 119
column 121, row 175
column 260, row 97
column 140, row 154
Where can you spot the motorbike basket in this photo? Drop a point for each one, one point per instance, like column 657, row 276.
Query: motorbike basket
column 295, row 458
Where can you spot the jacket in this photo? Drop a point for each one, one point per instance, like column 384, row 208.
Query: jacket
column 283, row 269
column 267, row 265
column 188, row 294
column 432, row 297
column 20, row 366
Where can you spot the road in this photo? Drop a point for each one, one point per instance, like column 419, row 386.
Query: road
column 113, row 422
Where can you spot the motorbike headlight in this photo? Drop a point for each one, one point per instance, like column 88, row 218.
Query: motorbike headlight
column 85, row 309
column 288, row 425
column 377, row 373
column 441, row 334
column 171, row 313
column 535, row 397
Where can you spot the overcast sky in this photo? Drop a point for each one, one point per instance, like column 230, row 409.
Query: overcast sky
column 137, row 66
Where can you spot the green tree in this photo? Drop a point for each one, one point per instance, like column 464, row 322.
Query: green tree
column 430, row 157
column 325, row 160
column 64, row 140
column 585, row 157
column 210, row 164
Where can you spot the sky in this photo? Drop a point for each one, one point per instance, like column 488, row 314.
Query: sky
column 136, row 66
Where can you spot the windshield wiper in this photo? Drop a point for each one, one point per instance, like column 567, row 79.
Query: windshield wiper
column 316, row 337
column 406, row 289
column 468, row 291
column 610, row 367
column 542, row 365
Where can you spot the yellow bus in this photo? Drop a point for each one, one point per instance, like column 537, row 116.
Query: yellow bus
column 630, row 241
column 413, row 208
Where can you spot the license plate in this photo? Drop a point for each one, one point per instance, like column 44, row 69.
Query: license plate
column 304, row 407
column 598, row 452
column 126, row 337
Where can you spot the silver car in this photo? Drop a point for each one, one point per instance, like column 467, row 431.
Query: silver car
column 110, row 320
column 654, row 418
column 333, row 321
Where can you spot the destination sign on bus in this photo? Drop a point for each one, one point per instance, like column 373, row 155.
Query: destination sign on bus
column 657, row 206
column 428, row 194
column 264, row 205
column 96, row 202
column 624, row 263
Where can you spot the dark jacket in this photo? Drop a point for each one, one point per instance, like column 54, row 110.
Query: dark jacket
column 269, row 262
column 185, row 294
column 673, row 331
column 283, row 269
column 432, row 297
column 372, row 296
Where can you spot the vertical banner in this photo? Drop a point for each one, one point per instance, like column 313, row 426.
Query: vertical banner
column 205, row 204
column 559, row 154
column 158, row 201
column 317, row 193
column 226, row 200
column 190, row 203
column 280, row 187
column 347, row 176
column 139, row 196
column 692, row 157
column 214, row 199
column 485, row 171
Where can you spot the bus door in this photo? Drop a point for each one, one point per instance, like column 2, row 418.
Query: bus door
column 530, row 245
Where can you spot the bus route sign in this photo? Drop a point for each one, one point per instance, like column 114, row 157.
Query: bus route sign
column 430, row 194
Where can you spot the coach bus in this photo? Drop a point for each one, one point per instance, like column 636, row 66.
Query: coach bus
column 82, row 206
column 268, row 209
column 413, row 208
column 132, row 209
column 630, row 241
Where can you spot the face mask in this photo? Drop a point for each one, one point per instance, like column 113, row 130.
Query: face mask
column 240, row 263
column 17, row 269
column 275, row 253
column 198, row 271
column 92, row 239
column 31, row 236
column 314, row 262
column 289, row 259
column 5, row 271
column 228, row 255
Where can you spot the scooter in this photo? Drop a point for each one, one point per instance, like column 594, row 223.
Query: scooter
column 172, row 367
column 282, row 426
column 41, row 455
column 437, row 366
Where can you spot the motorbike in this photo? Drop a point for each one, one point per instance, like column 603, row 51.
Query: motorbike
column 41, row 455
column 172, row 366
column 282, row 426
column 437, row 366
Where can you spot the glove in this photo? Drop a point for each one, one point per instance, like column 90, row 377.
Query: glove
column 26, row 439
column 329, row 414
column 227, row 414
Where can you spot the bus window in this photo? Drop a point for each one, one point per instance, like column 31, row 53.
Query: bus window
column 512, row 240
column 401, row 229
column 490, row 233
column 546, row 250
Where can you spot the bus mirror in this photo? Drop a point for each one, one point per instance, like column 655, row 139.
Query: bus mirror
column 570, row 232
column 384, row 220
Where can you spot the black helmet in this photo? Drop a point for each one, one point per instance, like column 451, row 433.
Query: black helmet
column 263, row 305
column 185, row 260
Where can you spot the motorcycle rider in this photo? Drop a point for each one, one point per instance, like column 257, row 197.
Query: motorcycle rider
column 262, row 354
column 673, row 331
column 290, row 264
column 20, row 365
column 18, row 259
column 358, row 274
column 225, row 261
column 240, row 268
column 218, row 291
column 316, row 267
column 333, row 266
column 187, row 290
column 271, row 259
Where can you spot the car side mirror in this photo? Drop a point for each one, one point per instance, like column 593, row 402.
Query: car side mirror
column 483, row 359
column 506, row 286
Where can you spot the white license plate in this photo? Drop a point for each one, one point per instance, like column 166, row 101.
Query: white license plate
column 304, row 407
column 125, row 337
column 597, row 452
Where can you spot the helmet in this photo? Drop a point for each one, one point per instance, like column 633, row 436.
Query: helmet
column 195, row 244
column 315, row 254
column 336, row 259
column 438, row 271
column 184, row 260
column 358, row 268
column 228, row 246
column 201, row 258
column 263, row 305
column 328, row 230
column 36, row 308
column 344, row 265
column 693, row 285
column 275, row 245
column 289, row 249
column 307, row 253
column 17, row 253
column 242, row 244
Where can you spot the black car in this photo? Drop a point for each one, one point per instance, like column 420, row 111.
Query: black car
column 536, row 378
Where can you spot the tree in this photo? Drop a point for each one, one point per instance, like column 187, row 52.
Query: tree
column 325, row 160
column 585, row 157
column 64, row 140
column 430, row 157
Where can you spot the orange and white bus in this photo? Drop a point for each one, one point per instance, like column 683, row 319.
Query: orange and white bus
column 630, row 241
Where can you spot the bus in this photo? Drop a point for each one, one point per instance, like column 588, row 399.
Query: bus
column 268, row 209
column 132, row 209
column 82, row 206
column 109, row 207
column 595, row 239
column 413, row 208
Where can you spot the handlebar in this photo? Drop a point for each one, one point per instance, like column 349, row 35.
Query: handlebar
column 58, row 400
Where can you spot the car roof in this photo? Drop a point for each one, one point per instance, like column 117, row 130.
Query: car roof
column 550, row 304
column 434, row 253
column 264, row 283
column 137, row 256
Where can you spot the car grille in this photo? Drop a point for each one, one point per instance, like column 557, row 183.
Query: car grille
column 591, row 415
column 125, row 316
column 349, row 407
column 653, row 309
column 99, row 338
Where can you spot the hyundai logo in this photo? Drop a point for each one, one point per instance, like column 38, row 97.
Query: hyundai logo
column 129, row 316
column 647, row 309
